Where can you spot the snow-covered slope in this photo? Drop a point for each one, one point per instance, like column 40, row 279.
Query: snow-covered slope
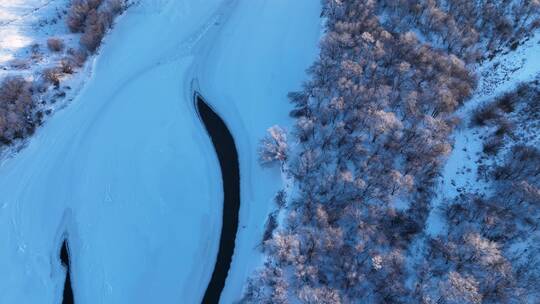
column 127, row 170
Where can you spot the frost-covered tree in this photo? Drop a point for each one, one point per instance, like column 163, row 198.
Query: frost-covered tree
column 273, row 147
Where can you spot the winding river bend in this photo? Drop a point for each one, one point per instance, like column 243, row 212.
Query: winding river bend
column 64, row 257
column 230, row 173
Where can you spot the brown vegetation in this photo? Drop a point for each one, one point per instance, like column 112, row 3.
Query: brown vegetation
column 93, row 18
column 78, row 12
column 55, row 44
column 66, row 65
column 16, row 105
column 52, row 76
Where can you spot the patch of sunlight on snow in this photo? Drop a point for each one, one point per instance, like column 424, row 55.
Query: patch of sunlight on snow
column 6, row 16
column 13, row 9
column 5, row 57
column 12, row 36
column 10, row 42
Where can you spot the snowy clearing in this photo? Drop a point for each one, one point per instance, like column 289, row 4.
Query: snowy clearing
column 497, row 76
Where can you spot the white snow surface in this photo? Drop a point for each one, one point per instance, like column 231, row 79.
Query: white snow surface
column 127, row 169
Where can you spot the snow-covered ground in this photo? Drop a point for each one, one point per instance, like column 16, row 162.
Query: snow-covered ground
column 500, row 75
column 26, row 23
column 127, row 169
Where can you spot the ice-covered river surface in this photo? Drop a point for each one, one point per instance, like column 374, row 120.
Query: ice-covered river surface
column 127, row 172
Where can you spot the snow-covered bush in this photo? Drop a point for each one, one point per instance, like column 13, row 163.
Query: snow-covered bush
column 52, row 76
column 16, row 105
column 93, row 18
column 77, row 13
column 493, row 145
column 483, row 115
column 55, row 44
column 67, row 65
column 94, row 31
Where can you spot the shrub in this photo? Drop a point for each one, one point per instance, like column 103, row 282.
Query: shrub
column 280, row 199
column 269, row 227
column 507, row 102
column 484, row 114
column 523, row 90
column 535, row 24
column 504, row 127
column 55, row 44
column 94, row 31
column 78, row 57
column 92, row 19
column 112, row 9
column 77, row 15
column 16, row 104
column 492, row 145
column 66, row 65
column 115, row 6
column 52, row 76
column 11, row 88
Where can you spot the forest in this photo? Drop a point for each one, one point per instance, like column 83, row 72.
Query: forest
column 372, row 132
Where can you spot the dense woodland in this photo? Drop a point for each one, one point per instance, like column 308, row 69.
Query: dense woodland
column 372, row 132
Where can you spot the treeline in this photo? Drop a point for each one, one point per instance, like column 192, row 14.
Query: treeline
column 372, row 132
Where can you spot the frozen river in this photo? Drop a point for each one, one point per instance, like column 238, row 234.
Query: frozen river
column 127, row 171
